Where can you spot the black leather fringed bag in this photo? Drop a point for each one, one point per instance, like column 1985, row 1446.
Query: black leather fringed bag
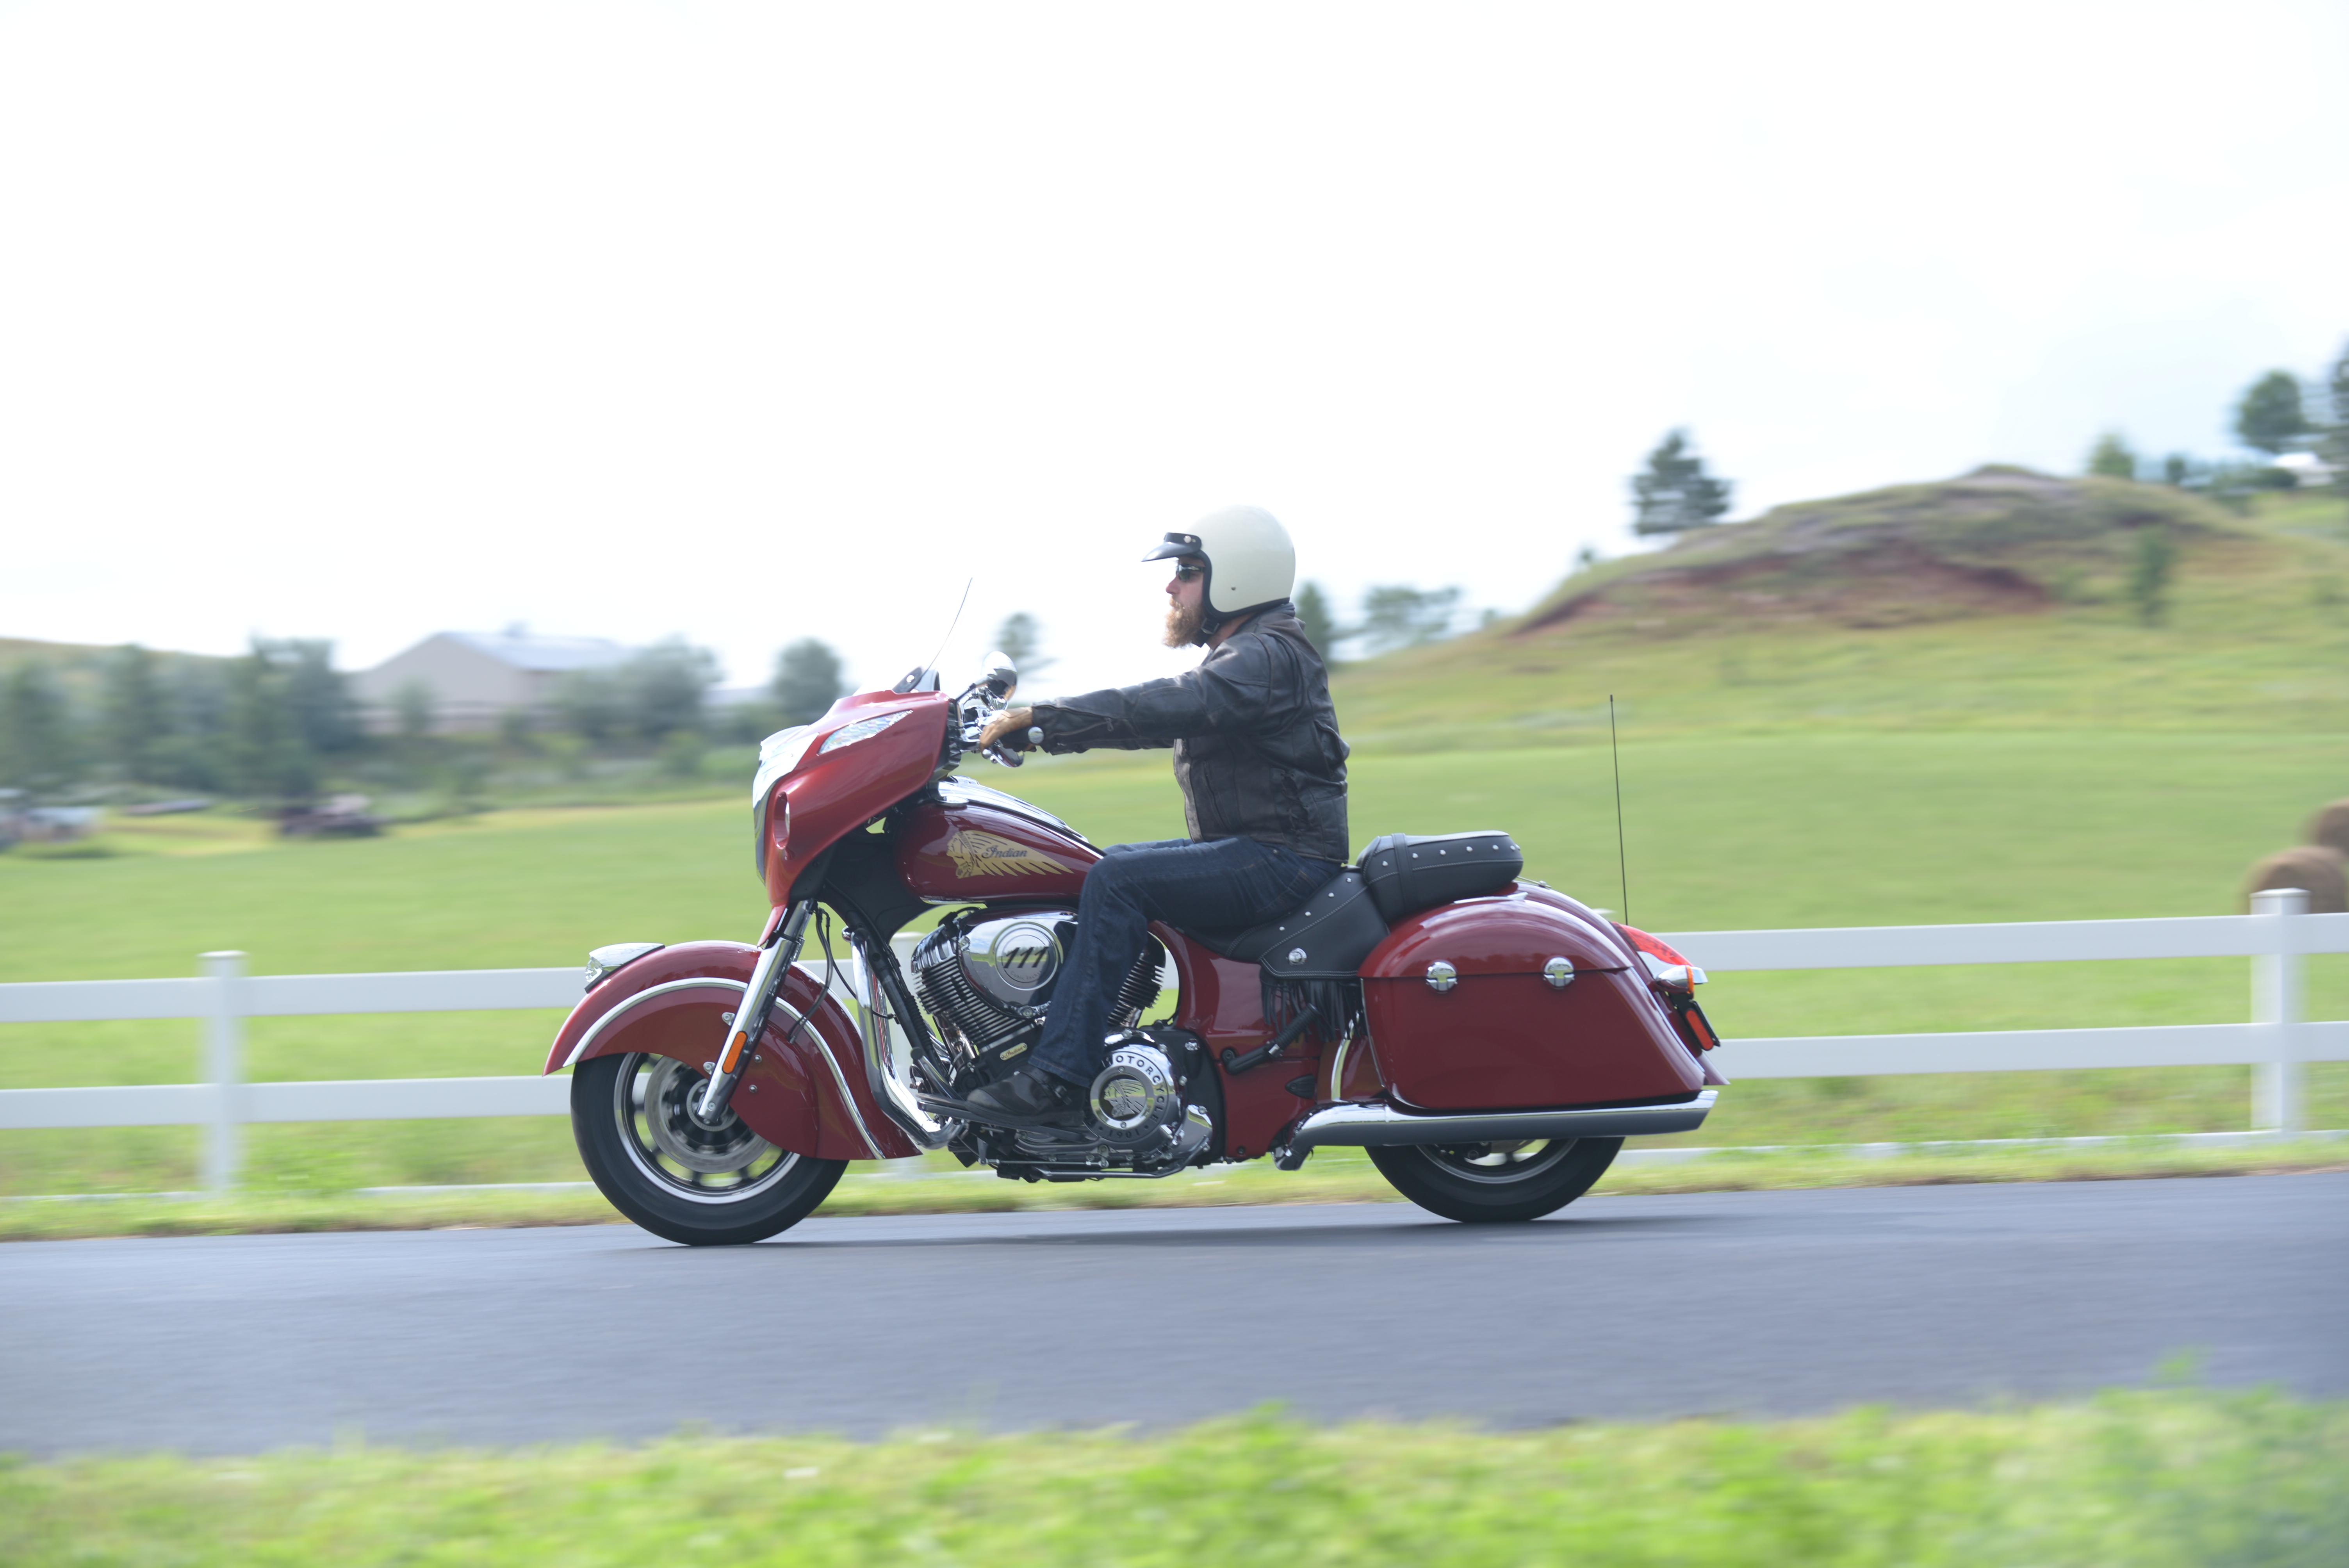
column 1406, row 874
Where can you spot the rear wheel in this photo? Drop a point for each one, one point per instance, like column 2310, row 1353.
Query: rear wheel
column 703, row 1186
column 1487, row 1183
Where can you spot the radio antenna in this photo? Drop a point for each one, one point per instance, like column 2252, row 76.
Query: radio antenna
column 1623, row 866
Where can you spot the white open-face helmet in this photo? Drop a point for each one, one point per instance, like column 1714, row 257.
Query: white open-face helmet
column 1250, row 562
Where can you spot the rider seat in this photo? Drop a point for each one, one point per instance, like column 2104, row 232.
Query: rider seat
column 1328, row 936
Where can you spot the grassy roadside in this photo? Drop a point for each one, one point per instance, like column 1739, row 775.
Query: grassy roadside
column 1828, row 829
column 1334, row 1176
column 2069, row 763
column 2125, row 1481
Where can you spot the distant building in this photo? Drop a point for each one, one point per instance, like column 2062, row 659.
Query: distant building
column 2308, row 470
column 475, row 678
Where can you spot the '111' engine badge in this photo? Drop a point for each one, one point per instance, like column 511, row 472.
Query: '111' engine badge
column 1013, row 961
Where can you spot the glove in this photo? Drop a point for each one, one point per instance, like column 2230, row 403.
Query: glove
column 1008, row 729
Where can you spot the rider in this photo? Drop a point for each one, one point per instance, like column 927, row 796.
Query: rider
column 1261, row 767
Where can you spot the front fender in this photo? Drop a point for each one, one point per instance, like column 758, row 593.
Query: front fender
column 804, row 1093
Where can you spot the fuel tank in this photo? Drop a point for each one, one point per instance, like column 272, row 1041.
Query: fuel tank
column 974, row 845
column 1522, row 1000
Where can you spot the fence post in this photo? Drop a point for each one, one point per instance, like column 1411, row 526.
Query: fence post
column 2276, row 1001
column 224, row 1040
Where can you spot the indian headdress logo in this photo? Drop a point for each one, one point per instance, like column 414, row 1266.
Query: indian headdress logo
column 977, row 855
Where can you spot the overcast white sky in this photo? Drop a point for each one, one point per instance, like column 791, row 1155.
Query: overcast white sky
column 368, row 321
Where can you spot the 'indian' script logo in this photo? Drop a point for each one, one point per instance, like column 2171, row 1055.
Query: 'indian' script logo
column 990, row 855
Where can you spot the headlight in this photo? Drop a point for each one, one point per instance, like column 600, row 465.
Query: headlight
column 777, row 755
column 863, row 729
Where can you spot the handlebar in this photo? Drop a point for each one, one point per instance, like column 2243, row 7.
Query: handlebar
column 979, row 703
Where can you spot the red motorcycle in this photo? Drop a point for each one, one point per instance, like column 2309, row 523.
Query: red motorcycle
column 1489, row 1039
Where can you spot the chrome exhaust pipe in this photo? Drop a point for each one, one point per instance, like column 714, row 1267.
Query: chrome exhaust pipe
column 1369, row 1126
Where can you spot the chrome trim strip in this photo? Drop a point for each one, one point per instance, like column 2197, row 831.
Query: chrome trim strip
column 737, row 987
column 1338, row 1067
column 608, row 960
column 894, row 1096
column 846, row 1099
column 646, row 994
column 958, row 791
column 1372, row 1125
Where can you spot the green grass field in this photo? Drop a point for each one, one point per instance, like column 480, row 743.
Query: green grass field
column 1850, row 827
column 2255, row 640
column 2064, row 765
column 2129, row 1481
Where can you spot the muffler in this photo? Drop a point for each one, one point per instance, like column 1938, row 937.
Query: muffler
column 1368, row 1126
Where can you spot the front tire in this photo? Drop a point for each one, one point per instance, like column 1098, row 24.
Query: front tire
column 1493, row 1183
column 700, row 1186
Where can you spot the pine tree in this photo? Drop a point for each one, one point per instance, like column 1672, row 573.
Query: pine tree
column 266, row 754
column 2270, row 418
column 2149, row 571
column 319, row 695
column 2336, row 434
column 1321, row 626
column 37, row 754
column 135, row 719
column 2113, row 457
column 662, row 687
column 807, row 681
column 1397, row 615
column 1021, row 635
column 1676, row 494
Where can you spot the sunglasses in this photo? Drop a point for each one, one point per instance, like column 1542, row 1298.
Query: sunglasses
column 1185, row 571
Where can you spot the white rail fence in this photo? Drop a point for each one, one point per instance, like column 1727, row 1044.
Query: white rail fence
column 2278, row 1040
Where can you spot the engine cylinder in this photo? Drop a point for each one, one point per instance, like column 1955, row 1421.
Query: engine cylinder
column 986, row 978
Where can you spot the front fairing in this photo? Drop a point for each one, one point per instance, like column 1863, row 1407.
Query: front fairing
column 821, row 796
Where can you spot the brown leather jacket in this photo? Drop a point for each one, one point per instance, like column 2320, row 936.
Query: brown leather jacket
column 1256, row 749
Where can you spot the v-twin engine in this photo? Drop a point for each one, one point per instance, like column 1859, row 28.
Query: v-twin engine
column 987, row 979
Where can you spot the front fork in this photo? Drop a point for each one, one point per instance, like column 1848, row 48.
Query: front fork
column 775, row 961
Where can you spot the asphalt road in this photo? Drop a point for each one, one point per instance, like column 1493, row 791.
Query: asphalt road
column 1746, row 1302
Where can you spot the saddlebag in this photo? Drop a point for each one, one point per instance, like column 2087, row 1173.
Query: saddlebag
column 1406, row 874
column 1522, row 1002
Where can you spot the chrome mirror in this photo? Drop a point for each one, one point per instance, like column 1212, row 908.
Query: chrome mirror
column 1002, row 676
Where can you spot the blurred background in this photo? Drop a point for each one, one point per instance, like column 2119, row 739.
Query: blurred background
column 437, row 441
column 365, row 322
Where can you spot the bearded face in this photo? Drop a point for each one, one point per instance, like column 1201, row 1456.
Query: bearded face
column 1183, row 622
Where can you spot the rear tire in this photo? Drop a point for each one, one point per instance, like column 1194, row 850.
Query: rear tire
column 1493, row 1183
column 674, row 1177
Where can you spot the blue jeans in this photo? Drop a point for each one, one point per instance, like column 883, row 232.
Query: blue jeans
column 1224, row 882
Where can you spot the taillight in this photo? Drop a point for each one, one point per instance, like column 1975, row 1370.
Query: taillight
column 1647, row 944
column 1662, row 961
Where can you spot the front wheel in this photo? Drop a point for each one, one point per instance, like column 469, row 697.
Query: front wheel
column 701, row 1186
column 1488, row 1183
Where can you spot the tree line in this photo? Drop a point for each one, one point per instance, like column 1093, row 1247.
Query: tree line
column 266, row 725
column 2276, row 417
column 279, row 722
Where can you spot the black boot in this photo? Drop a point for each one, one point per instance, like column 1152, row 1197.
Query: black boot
column 1030, row 1093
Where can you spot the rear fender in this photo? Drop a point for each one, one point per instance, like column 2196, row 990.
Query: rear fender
column 803, row 1091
